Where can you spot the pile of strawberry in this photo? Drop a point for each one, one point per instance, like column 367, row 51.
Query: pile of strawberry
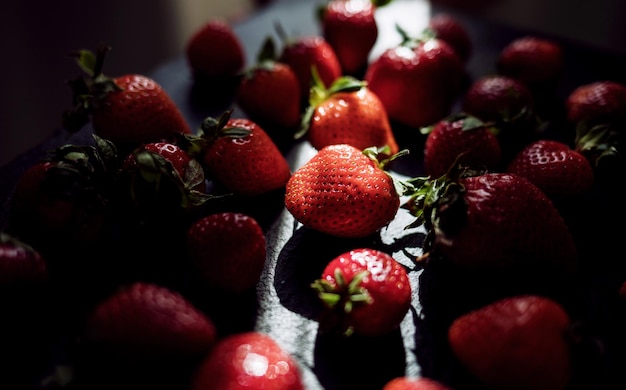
column 143, row 250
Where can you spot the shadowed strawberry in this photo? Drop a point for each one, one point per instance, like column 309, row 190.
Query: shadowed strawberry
column 128, row 110
column 414, row 383
column 248, row 360
column 20, row 264
column 365, row 292
column 346, row 113
column 449, row 29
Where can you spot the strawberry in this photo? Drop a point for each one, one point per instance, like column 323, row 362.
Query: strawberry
column 460, row 139
column 248, row 360
column 417, row 81
column 269, row 93
column 597, row 103
column 414, row 383
column 149, row 321
column 215, row 51
column 305, row 52
column 555, row 168
column 365, row 291
column 20, row 263
column 449, row 29
column 349, row 26
column 343, row 191
column 241, row 157
column 346, row 113
column 221, row 245
column 492, row 221
column 127, row 110
column 518, row 342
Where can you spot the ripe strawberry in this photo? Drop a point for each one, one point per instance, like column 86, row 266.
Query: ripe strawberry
column 417, row 81
column 346, row 113
column 365, row 291
column 492, row 221
column 460, row 139
column 449, row 29
column 342, row 191
column 349, row 26
column 305, row 52
column 269, row 93
column 20, row 264
column 535, row 61
column 148, row 321
column 214, row 51
column 558, row 170
column 518, row 342
column 248, row 360
column 241, row 157
column 128, row 110
column 222, row 245
column 597, row 103
column 414, row 383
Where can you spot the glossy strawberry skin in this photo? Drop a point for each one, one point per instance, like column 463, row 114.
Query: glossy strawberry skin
column 414, row 383
column 450, row 139
column 450, row 30
column 248, row 360
column 248, row 166
column 386, row 283
column 270, row 96
column 515, row 343
column 305, row 52
column 497, row 98
column 222, row 245
column 355, row 118
column 146, row 321
column 600, row 102
column 555, row 168
column 342, row 192
column 351, row 29
column 508, row 220
column 138, row 113
column 417, row 86
column 20, row 264
column 215, row 51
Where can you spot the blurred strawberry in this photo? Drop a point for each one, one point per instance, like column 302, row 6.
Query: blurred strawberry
column 128, row 110
column 222, row 245
column 417, row 81
column 460, row 140
column 449, row 29
column 365, row 292
column 414, row 383
column 248, row 360
column 305, row 52
column 20, row 264
column 519, row 342
column 349, row 26
column 346, row 113
column 597, row 103
column 269, row 94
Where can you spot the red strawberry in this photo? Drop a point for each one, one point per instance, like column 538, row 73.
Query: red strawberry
column 305, row 52
column 536, row 62
column 149, row 321
column 241, row 157
column 248, row 360
column 269, row 93
column 222, row 245
column 460, row 139
column 555, row 168
column 449, row 29
column 414, row 383
column 417, row 81
column 349, row 26
column 366, row 292
column 214, row 51
column 342, row 191
column 346, row 113
column 128, row 110
column 597, row 103
column 518, row 342
column 493, row 221
column 20, row 264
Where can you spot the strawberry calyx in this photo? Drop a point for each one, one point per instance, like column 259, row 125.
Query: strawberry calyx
column 470, row 122
column 598, row 143
column 214, row 128
column 341, row 297
column 319, row 94
column 88, row 90
column 266, row 59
